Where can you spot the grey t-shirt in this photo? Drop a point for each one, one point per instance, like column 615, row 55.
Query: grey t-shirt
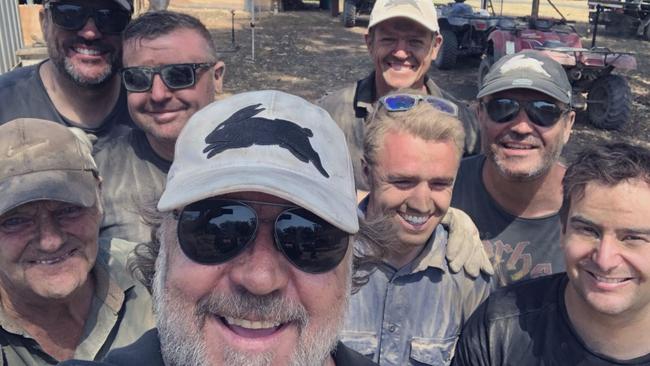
column 23, row 95
column 133, row 178
column 519, row 248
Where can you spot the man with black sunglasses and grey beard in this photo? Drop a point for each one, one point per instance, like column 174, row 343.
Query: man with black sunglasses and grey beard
column 171, row 70
column 252, row 258
column 78, row 85
column 513, row 192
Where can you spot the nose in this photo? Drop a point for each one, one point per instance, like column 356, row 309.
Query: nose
column 159, row 91
column 401, row 50
column 50, row 235
column 607, row 254
column 90, row 31
column 522, row 124
column 261, row 269
column 420, row 198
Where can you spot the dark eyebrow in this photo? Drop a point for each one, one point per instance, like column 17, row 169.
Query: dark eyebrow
column 582, row 220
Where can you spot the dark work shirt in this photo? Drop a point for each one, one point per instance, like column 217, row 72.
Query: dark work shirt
column 527, row 324
column 519, row 248
column 23, row 95
column 146, row 351
column 134, row 177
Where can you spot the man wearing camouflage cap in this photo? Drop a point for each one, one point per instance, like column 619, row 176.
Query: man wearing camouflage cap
column 78, row 85
column 61, row 296
column 513, row 192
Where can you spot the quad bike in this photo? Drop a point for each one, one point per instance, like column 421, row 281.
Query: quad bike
column 352, row 8
column 622, row 14
column 605, row 96
column 463, row 34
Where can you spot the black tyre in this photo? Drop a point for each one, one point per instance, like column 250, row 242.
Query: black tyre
column 646, row 33
column 609, row 102
column 483, row 69
column 349, row 14
column 448, row 51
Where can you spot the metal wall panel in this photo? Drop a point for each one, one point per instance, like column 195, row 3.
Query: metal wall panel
column 11, row 38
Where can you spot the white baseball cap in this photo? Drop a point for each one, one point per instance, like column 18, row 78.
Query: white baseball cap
column 421, row 11
column 269, row 142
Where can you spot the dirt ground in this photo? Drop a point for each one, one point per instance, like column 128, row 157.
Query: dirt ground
column 309, row 53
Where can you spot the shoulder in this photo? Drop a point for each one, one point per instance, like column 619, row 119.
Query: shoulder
column 144, row 351
column 525, row 298
column 17, row 77
column 332, row 100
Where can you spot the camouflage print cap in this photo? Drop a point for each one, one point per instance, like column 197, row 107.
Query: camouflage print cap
column 528, row 69
column 44, row 160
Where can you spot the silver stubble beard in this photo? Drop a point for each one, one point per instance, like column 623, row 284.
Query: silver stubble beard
column 180, row 330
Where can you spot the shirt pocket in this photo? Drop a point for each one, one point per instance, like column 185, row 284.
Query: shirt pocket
column 362, row 342
column 432, row 351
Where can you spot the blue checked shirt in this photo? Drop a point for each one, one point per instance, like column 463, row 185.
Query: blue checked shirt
column 413, row 315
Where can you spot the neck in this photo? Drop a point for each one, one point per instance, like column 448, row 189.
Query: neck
column 538, row 197
column 86, row 107
column 382, row 89
column 620, row 336
column 56, row 324
column 400, row 259
column 162, row 148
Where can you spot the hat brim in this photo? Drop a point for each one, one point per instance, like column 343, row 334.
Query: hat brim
column 420, row 21
column 194, row 186
column 540, row 85
column 75, row 187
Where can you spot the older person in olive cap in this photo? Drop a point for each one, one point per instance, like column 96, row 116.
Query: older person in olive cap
column 61, row 295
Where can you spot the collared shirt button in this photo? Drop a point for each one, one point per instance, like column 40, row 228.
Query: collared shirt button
column 391, row 328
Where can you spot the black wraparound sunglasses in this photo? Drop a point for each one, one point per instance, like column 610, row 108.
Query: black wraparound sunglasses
column 215, row 231
column 139, row 79
column 541, row 112
column 73, row 17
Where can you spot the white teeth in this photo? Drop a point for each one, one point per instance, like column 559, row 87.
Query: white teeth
column 249, row 324
column 414, row 220
column 609, row 280
column 53, row 260
column 87, row 51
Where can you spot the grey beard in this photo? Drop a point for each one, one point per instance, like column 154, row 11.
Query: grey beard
column 180, row 329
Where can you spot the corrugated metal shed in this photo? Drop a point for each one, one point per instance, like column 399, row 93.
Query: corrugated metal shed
column 11, row 38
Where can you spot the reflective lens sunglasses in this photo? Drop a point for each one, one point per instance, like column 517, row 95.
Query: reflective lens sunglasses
column 404, row 102
column 215, row 231
column 139, row 79
column 73, row 17
column 540, row 112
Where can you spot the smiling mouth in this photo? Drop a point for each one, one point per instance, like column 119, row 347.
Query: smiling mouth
column 252, row 328
column 516, row 146
column 53, row 260
column 609, row 280
column 400, row 65
column 87, row 51
column 415, row 220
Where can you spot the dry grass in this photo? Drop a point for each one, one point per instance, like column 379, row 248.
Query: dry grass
column 575, row 10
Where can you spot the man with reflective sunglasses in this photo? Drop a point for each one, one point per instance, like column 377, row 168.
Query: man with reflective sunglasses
column 413, row 307
column 62, row 295
column 253, row 252
column 513, row 191
column 171, row 70
column 403, row 38
column 597, row 312
column 78, row 85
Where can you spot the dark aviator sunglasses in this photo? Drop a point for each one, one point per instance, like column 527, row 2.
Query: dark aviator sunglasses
column 73, row 17
column 541, row 112
column 214, row 231
column 139, row 79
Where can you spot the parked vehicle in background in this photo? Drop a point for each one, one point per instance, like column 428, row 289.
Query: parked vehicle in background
column 605, row 96
column 463, row 33
column 353, row 8
column 625, row 15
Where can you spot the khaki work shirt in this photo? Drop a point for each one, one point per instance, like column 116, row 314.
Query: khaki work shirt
column 120, row 313
column 351, row 107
